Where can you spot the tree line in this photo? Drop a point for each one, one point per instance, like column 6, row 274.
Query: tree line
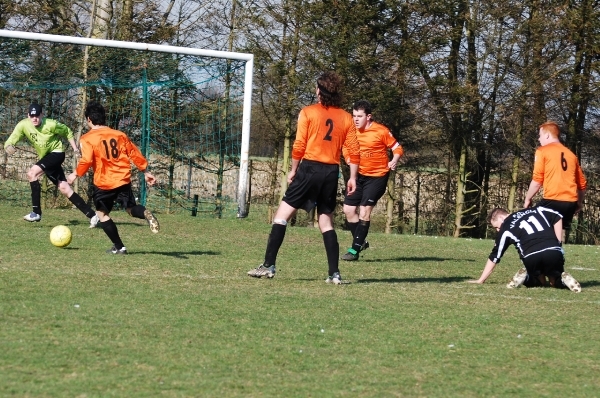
column 462, row 84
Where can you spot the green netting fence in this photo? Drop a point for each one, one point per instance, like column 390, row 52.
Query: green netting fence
column 183, row 111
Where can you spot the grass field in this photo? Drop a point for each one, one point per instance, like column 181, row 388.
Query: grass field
column 179, row 317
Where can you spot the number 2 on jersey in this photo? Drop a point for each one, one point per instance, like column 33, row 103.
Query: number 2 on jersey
column 114, row 150
column 329, row 123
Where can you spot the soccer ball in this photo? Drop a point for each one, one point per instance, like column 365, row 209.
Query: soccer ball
column 60, row 236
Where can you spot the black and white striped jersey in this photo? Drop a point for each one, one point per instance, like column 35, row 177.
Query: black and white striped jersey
column 531, row 230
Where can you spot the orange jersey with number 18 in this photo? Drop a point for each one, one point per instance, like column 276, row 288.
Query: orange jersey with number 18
column 109, row 153
column 558, row 170
column 323, row 133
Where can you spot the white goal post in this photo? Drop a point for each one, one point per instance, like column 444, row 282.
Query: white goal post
column 247, row 103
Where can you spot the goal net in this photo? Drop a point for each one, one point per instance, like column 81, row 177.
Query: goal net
column 187, row 109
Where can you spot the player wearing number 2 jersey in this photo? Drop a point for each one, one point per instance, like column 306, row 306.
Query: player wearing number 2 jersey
column 536, row 233
column 324, row 132
column 557, row 170
column 109, row 153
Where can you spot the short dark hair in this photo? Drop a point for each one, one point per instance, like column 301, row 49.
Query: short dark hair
column 96, row 113
column 495, row 213
column 330, row 87
column 363, row 105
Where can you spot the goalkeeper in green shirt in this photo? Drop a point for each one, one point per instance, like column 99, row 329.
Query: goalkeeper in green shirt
column 45, row 135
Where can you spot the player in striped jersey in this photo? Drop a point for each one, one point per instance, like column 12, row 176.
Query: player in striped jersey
column 536, row 233
column 375, row 140
column 324, row 133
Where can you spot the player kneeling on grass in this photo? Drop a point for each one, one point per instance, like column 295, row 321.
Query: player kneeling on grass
column 536, row 233
column 109, row 153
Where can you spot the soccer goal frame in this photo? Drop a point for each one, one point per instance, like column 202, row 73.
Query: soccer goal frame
column 243, row 181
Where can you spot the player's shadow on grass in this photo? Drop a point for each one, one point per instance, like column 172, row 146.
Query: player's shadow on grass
column 139, row 223
column 181, row 255
column 398, row 259
column 452, row 279
column 589, row 283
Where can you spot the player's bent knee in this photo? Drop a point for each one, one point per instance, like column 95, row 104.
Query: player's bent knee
column 65, row 189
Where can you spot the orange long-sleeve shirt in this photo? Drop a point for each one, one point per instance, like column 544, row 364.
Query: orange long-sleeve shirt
column 109, row 153
column 558, row 170
column 374, row 142
column 323, row 133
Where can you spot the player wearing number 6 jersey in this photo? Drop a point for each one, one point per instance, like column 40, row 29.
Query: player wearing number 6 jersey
column 557, row 170
column 324, row 132
column 109, row 153
column 536, row 233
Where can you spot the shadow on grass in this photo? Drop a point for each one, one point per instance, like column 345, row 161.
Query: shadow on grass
column 84, row 221
column 398, row 259
column 453, row 279
column 183, row 255
column 589, row 283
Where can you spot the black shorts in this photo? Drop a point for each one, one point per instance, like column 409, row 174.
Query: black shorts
column 368, row 190
column 315, row 184
column 52, row 166
column 104, row 200
column 548, row 262
column 566, row 209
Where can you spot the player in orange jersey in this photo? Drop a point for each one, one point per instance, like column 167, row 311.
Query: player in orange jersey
column 110, row 153
column 324, row 132
column 557, row 170
column 373, row 172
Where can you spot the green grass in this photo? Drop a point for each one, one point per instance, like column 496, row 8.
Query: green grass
column 179, row 317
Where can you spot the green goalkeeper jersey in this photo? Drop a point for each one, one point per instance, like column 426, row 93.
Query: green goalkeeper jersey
column 45, row 138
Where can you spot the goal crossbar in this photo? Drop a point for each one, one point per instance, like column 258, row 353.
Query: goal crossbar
column 248, row 71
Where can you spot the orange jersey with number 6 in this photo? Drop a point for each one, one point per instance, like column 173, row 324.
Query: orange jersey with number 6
column 323, row 133
column 558, row 170
column 109, row 153
column 374, row 142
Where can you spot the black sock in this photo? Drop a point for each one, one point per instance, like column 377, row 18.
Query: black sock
column 36, row 197
column 137, row 211
column 332, row 248
column 110, row 229
column 361, row 234
column 81, row 205
column 274, row 243
column 352, row 226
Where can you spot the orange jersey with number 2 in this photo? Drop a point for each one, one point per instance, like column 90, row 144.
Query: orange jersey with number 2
column 109, row 153
column 321, row 134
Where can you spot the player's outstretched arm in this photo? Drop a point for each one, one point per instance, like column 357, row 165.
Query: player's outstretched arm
column 150, row 179
column 487, row 271
column 71, row 178
column 534, row 187
column 10, row 150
